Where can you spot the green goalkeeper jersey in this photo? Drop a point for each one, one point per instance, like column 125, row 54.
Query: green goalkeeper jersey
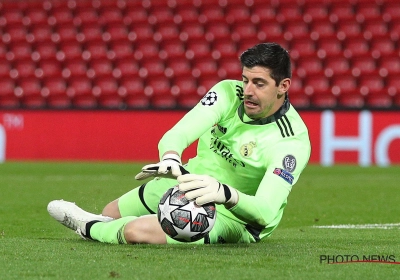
column 262, row 159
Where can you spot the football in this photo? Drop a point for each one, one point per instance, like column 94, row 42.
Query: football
column 182, row 219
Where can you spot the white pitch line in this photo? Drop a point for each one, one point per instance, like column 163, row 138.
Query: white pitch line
column 365, row 226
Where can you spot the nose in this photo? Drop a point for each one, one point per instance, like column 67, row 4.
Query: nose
column 248, row 89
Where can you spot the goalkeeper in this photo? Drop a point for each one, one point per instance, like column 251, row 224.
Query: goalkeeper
column 252, row 148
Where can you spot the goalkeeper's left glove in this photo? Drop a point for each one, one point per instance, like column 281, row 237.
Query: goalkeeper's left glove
column 205, row 189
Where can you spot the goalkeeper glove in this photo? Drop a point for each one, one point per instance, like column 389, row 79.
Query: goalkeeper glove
column 205, row 189
column 170, row 166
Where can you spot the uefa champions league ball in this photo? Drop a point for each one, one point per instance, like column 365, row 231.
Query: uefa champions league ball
column 182, row 219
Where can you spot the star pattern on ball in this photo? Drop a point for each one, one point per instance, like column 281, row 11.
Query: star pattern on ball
column 166, row 209
column 209, row 99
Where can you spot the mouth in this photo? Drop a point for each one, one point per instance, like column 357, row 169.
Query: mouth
column 250, row 104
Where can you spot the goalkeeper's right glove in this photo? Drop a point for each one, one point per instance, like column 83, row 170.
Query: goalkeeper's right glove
column 170, row 166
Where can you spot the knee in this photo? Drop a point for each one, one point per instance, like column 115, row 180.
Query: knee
column 112, row 210
column 144, row 230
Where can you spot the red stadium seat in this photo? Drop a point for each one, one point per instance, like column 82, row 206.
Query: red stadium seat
column 55, row 91
column 243, row 31
column 110, row 15
column 271, row 31
column 322, row 29
column 116, row 31
column 212, row 12
column 289, row 12
column 147, row 48
column 173, row 48
column 237, row 13
column 154, row 67
column 140, row 32
column 29, row 92
column 5, row 68
column 42, row 32
column 36, row 16
column 48, row 68
column 7, row 96
column 376, row 28
column 330, row 47
column 86, row 15
column 341, row 10
column 192, row 31
column 101, row 67
column 62, row 15
column 133, row 91
column 12, row 15
column 362, row 65
column 348, row 29
column 23, row 69
column 162, row 13
column 391, row 10
column 75, row 68
column 187, row 13
column 125, row 68
column 198, row 49
column 14, row 33
column 92, row 32
column 296, row 29
column 95, row 50
column 206, row 66
column 371, row 85
column 180, row 66
column 168, row 31
column 231, row 67
column 206, row 82
column 324, row 100
column 315, row 12
column 66, row 32
column 106, row 92
column 309, row 66
column 302, row 47
column 368, row 11
column 297, row 97
column 218, row 30
column 71, row 49
column 121, row 49
column 393, row 85
column 356, row 47
column 45, row 50
column 337, row 66
column 317, row 84
column 389, row 64
column 21, row 50
column 136, row 15
column 351, row 100
column 342, row 84
column 263, row 13
column 382, row 47
column 80, row 92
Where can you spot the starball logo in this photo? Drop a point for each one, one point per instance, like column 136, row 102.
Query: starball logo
column 354, row 258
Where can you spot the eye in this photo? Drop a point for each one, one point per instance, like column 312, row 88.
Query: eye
column 260, row 85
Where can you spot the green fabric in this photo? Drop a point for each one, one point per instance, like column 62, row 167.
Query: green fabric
column 243, row 153
column 111, row 232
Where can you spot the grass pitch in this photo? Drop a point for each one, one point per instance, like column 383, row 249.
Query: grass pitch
column 34, row 246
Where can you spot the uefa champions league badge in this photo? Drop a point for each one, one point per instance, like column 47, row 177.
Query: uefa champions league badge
column 209, row 99
column 289, row 163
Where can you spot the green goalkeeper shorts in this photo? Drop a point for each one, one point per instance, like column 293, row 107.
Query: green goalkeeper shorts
column 144, row 200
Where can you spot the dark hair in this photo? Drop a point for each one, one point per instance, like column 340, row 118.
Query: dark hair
column 269, row 55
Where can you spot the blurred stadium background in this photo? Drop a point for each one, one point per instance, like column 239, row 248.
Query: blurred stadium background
column 166, row 54
column 142, row 55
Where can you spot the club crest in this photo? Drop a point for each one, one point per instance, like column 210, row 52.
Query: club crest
column 247, row 149
column 289, row 163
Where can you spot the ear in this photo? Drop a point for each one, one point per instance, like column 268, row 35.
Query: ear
column 284, row 86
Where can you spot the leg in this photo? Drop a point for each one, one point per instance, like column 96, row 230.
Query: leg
column 145, row 229
column 112, row 210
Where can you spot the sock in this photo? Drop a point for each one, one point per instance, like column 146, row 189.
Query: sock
column 109, row 232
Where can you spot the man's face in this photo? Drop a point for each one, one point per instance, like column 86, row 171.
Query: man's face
column 262, row 97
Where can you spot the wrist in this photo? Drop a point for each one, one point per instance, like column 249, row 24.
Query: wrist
column 172, row 156
column 231, row 195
